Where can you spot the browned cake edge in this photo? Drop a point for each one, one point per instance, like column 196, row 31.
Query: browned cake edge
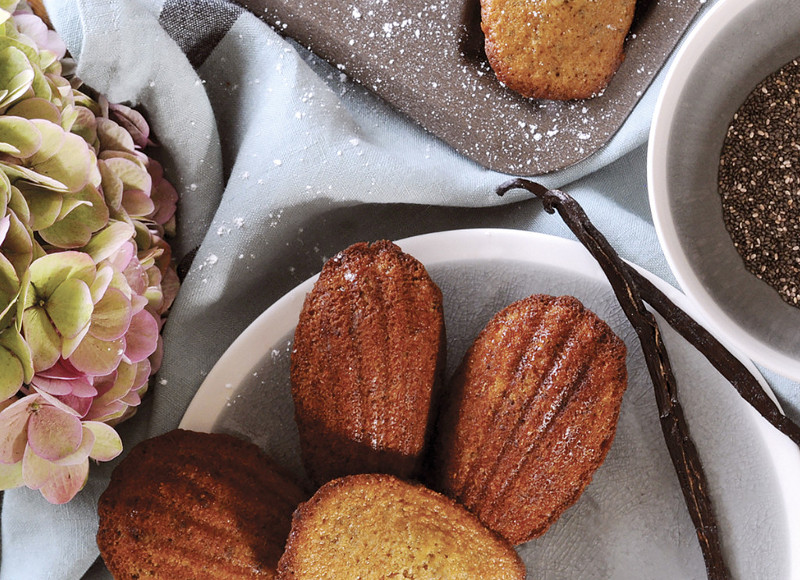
column 336, row 451
column 447, row 445
column 588, row 87
column 141, row 522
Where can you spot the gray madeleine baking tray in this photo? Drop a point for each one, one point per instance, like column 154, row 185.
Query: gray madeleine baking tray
column 425, row 57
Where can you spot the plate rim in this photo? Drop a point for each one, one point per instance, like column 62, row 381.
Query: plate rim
column 509, row 244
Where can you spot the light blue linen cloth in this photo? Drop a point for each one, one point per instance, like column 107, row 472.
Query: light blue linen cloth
column 280, row 163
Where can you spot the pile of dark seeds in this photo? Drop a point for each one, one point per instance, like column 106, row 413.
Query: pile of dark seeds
column 759, row 181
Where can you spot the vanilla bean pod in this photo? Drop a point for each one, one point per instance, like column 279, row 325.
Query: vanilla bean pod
column 681, row 448
column 720, row 357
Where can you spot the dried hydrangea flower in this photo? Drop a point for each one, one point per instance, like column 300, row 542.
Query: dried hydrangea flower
column 86, row 276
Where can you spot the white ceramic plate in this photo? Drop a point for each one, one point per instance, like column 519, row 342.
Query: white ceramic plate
column 631, row 521
column 726, row 54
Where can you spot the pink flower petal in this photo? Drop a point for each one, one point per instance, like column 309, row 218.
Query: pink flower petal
column 132, row 399
column 61, row 370
column 97, row 357
column 133, row 122
column 165, row 200
column 137, row 203
column 117, row 384
column 143, row 372
column 52, row 386
column 84, row 450
column 123, row 256
column 49, row 399
column 104, row 383
column 142, row 337
column 106, row 413
column 111, row 316
column 80, row 405
column 65, row 482
column 33, row 27
column 136, row 276
column 14, row 429
column 138, row 303
column 83, row 387
column 158, row 356
column 53, row 434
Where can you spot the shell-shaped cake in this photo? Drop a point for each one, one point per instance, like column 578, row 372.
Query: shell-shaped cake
column 556, row 49
column 530, row 414
column 367, row 360
column 375, row 526
column 196, row 505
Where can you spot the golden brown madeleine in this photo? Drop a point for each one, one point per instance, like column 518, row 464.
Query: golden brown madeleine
column 556, row 49
column 531, row 414
column 372, row 526
column 195, row 505
column 368, row 356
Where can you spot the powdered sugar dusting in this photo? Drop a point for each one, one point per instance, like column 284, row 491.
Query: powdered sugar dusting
column 426, row 58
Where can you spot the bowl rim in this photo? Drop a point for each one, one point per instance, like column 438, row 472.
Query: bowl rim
column 691, row 51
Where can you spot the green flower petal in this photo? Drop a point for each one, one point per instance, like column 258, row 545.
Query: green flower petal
column 43, row 203
column 133, row 174
column 97, row 357
column 81, row 215
column 19, row 137
column 63, row 157
column 9, row 287
column 70, row 307
column 85, row 125
column 16, row 74
column 106, row 242
column 18, row 245
column 12, row 341
column 107, row 442
column 41, row 337
column 112, row 185
column 41, row 85
column 53, row 137
column 36, row 108
column 16, row 201
column 69, row 344
column 102, row 279
column 20, row 172
column 11, row 476
column 113, row 137
column 11, row 374
column 123, row 381
column 112, row 316
column 49, row 271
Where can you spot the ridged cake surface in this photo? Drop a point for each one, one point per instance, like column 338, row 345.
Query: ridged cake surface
column 531, row 413
column 374, row 527
column 367, row 359
column 188, row 505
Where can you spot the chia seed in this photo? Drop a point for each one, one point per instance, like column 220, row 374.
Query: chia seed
column 759, row 181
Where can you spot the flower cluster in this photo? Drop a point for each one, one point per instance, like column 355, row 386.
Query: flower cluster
column 86, row 276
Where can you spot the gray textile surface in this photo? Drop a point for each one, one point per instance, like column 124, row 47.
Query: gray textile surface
column 281, row 161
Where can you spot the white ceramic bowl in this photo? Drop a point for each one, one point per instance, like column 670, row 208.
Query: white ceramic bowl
column 731, row 49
